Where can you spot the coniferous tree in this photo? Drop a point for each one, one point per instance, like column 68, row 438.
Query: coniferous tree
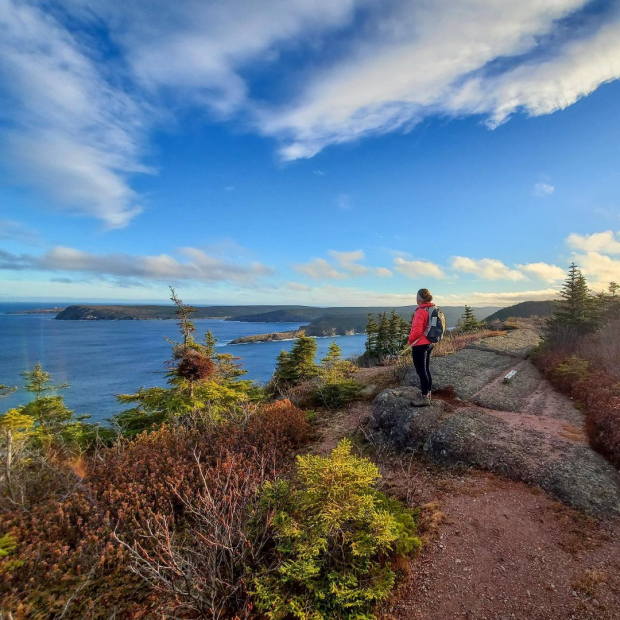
column 297, row 365
column 394, row 333
column 372, row 333
column 468, row 322
column 383, row 334
column 334, row 355
column 576, row 308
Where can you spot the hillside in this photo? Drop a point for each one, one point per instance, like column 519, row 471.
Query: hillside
column 524, row 310
column 321, row 321
column 150, row 312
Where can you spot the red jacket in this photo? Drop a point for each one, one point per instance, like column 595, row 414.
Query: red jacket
column 419, row 325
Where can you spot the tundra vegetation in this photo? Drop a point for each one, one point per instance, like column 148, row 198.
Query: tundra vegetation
column 194, row 504
column 580, row 355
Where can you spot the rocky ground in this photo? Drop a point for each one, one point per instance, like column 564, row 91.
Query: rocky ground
column 523, row 429
column 495, row 547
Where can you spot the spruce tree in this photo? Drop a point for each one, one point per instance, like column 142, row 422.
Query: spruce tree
column 297, row 365
column 576, row 307
column 394, row 332
column 383, row 334
column 372, row 332
column 334, row 355
column 468, row 322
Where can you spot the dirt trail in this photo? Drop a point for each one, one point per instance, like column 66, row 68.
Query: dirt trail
column 522, row 429
column 495, row 548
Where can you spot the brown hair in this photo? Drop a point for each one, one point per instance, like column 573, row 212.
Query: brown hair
column 425, row 295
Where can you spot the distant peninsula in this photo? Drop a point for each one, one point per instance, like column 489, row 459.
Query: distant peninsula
column 335, row 321
column 290, row 335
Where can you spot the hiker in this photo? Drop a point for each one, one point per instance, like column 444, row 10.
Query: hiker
column 421, row 346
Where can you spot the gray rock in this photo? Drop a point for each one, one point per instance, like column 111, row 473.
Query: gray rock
column 566, row 468
column 467, row 371
column 517, row 343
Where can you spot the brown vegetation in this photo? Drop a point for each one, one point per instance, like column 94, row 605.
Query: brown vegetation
column 587, row 367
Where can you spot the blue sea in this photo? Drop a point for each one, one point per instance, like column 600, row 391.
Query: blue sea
column 100, row 359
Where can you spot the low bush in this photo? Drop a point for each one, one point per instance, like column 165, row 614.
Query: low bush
column 156, row 522
column 336, row 393
column 335, row 536
column 587, row 368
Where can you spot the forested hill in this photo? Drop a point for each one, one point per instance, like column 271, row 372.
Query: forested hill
column 320, row 321
column 524, row 310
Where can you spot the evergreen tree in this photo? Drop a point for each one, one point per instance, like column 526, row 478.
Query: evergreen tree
column 298, row 365
column 334, row 355
column 53, row 422
column 614, row 287
column 576, row 309
column 383, row 334
column 468, row 322
column 372, row 332
column 394, row 333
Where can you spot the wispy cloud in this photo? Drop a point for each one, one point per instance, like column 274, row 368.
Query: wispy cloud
column 420, row 59
column 319, row 269
column 350, row 261
column 543, row 189
column 486, row 268
column 418, row 268
column 544, row 271
column 17, row 231
column 197, row 266
column 76, row 121
column 605, row 242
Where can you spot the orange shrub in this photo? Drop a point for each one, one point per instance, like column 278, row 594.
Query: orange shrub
column 588, row 369
column 176, row 497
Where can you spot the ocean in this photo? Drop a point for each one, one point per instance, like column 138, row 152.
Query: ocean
column 100, row 359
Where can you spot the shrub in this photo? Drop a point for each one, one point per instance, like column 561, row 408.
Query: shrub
column 334, row 537
column 588, row 369
column 144, row 503
column 337, row 392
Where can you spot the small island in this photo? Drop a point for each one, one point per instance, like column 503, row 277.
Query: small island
column 289, row 335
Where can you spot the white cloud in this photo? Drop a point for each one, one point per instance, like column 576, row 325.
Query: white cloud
column 544, row 271
column 75, row 119
column 599, row 269
column 605, row 242
column 419, row 59
column 486, row 268
column 497, row 299
column 68, row 130
column 418, row 268
column 543, row 189
column 319, row 269
column 350, row 261
column 296, row 286
column 17, row 231
column 197, row 266
column 382, row 272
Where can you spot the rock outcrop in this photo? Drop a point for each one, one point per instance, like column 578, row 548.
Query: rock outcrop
column 523, row 429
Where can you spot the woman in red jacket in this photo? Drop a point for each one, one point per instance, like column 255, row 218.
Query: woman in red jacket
column 421, row 347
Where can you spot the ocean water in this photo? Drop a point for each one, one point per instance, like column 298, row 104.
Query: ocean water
column 100, row 359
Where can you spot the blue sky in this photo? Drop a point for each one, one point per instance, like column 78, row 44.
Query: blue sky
column 326, row 152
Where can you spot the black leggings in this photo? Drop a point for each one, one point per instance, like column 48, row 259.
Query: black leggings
column 421, row 360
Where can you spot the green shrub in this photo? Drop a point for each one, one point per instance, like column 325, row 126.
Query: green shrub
column 337, row 392
column 335, row 535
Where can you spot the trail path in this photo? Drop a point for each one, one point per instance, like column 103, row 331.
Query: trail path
column 524, row 429
column 495, row 548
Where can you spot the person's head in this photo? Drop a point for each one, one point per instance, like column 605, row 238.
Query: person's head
column 424, row 296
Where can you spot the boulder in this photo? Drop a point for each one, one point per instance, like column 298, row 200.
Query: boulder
column 505, row 443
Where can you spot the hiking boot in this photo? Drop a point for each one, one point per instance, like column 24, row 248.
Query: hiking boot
column 422, row 401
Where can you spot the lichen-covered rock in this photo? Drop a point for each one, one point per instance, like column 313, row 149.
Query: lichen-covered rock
column 565, row 467
column 467, row 371
column 517, row 343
